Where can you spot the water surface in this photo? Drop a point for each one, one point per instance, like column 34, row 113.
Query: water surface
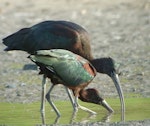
column 29, row 114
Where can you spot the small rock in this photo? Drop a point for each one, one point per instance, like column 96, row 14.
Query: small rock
column 133, row 89
column 18, row 93
column 140, row 74
column 11, row 86
column 23, row 84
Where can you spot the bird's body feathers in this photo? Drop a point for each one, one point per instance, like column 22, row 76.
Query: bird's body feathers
column 71, row 69
column 51, row 35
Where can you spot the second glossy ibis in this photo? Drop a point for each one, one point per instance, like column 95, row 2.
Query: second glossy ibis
column 71, row 70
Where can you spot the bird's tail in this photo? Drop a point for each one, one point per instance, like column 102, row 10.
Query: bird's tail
column 16, row 40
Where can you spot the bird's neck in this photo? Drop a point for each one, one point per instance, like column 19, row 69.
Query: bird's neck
column 83, row 95
column 98, row 64
column 87, row 56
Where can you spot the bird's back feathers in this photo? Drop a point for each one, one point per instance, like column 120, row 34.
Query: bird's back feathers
column 51, row 35
column 69, row 67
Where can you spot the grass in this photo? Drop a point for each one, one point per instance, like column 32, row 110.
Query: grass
column 29, row 114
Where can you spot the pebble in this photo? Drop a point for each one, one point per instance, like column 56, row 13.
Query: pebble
column 11, row 86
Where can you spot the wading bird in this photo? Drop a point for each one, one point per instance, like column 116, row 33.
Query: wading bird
column 62, row 35
column 71, row 70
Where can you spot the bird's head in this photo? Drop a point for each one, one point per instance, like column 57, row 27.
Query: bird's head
column 91, row 95
column 106, row 66
column 110, row 67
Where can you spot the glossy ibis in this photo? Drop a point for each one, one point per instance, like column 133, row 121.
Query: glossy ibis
column 71, row 70
column 62, row 35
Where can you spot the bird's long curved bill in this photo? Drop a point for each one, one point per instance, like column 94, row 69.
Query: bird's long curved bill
column 106, row 105
column 116, row 81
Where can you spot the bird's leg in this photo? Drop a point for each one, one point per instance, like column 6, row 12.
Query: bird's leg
column 50, row 102
column 43, row 99
column 73, row 104
column 71, row 98
column 75, row 110
column 43, row 94
column 83, row 108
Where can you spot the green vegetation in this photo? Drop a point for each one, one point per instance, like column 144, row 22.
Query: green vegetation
column 29, row 114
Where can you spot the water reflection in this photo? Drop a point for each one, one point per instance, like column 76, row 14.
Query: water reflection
column 43, row 118
column 105, row 118
column 73, row 118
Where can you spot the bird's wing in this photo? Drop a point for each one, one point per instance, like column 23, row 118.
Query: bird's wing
column 69, row 68
column 46, row 35
column 72, row 72
column 57, row 53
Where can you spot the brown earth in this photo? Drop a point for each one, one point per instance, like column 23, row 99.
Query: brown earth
column 118, row 29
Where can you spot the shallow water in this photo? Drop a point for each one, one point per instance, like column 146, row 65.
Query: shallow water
column 29, row 114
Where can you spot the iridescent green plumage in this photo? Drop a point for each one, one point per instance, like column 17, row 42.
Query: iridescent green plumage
column 71, row 70
column 66, row 65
